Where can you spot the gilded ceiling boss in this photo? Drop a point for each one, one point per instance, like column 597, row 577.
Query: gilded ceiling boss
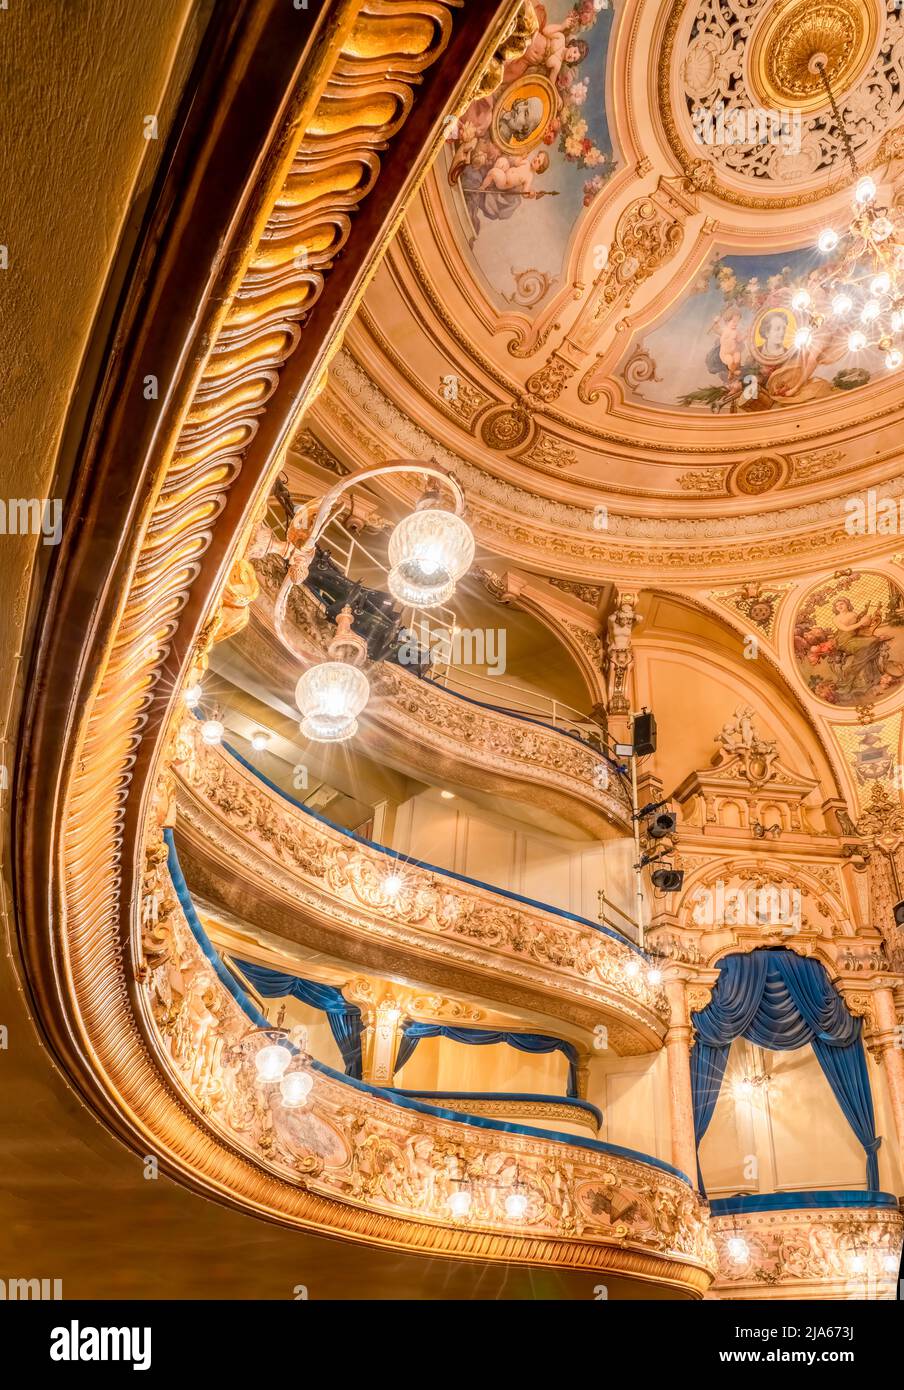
column 452, row 765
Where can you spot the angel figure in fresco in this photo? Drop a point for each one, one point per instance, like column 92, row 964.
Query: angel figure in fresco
column 548, row 49
column 516, row 175
column 728, row 329
column 861, row 654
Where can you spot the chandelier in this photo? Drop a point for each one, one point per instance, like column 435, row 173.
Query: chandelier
column 429, row 552
column 861, row 300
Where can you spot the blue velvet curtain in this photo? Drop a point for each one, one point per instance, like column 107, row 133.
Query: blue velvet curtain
column 783, row 1001
column 525, row 1042
column 344, row 1018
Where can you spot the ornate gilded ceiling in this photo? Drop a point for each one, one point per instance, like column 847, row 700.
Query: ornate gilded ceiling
column 587, row 313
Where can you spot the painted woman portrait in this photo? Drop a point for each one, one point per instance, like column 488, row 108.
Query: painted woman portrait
column 773, row 336
column 850, row 647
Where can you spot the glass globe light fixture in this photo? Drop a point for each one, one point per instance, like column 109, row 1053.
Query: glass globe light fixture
column 654, row 976
column 828, row 240
column 271, row 1062
column 460, row 1203
column 333, row 694
column 516, row 1206
column 632, row 969
column 857, row 1263
column 429, row 551
column 882, row 228
column 738, row 1250
column 295, row 1087
column 842, row 304
column 800, row 301
column 259, row 740
column 212, row 731
column 193, row 694
column 871, row 311
column 865, row 191
column 881, row 283
column 893, row 359
column 856, row 341
column 802, row 337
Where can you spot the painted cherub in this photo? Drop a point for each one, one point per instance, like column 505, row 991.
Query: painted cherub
column 516, row 175
column 549, row 48
column 727, row 327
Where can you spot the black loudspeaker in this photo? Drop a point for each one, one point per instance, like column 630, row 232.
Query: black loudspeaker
column 644, row 734
column 662, row 825
column 667, row 880
column 899, row 914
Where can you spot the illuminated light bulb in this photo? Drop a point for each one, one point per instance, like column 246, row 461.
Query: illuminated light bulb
column 897, row 321
column 447, row 796
column 212, row 731
column 865, row 191
column 393, row 885
column 272, row 1061
column 881, row 283
column 259, row 740
column 857, row 1264
column 828, row 240
column 882, row 228
column 654, row 976
column 331, row 696
column 842, row 304
column 516, row 1206
column 893, row 359
column 460, row 1203
column 429, row 551
column 743, row 1089
column 632, row 969
column 890, row 1264
column 801, row 301
column 870, row 311
column 802, row 337
column 295, row 1087
column 193, row 694
column 856, row 341
column 738, row 1250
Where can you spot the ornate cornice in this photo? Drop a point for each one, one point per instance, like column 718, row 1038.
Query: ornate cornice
column 361, row 1162
column 246, row 842
column 827, row 1253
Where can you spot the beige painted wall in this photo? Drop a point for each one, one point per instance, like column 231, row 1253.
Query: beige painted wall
column 796, row 1136
column 466, row 838
column 438, row 1064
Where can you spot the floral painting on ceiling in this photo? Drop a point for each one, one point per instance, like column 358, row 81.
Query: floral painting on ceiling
column 523, row 162
column 849, row 639
column 731, row 345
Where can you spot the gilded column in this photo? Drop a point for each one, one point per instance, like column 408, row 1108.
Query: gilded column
column 886, row 1044
column 678, row 1042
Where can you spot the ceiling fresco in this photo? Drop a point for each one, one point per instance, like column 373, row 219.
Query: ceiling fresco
column 731, row 343
column 522, row 163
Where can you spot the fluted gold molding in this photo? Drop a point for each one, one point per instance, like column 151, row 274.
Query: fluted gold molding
column 80, row 843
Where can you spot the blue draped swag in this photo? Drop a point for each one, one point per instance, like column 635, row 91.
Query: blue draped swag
column 344, row 1018
column 783, row 1001
column 525, row 1042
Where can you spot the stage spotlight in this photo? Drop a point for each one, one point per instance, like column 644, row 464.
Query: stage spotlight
column 667, row 880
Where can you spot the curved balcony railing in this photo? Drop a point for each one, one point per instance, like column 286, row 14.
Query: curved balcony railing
column 444, row 733
column 832, row 1244
column 554, row 1112
column 383, row 1158
column 247, row 843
